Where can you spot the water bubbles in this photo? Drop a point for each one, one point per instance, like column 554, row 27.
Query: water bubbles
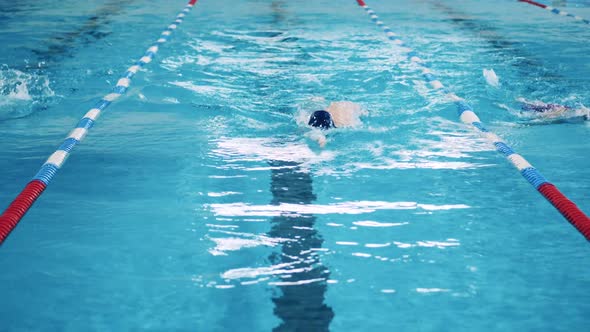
column 22, row 93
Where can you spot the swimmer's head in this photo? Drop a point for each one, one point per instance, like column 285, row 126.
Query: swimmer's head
column 321, row 119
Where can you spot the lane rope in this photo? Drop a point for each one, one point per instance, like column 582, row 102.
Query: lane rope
column 565, row 206
column 555, row 10
column 23, row 202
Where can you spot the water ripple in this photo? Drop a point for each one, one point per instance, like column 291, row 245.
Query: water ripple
column 353, row 207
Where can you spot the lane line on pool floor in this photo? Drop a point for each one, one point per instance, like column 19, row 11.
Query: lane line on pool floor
column 25, row 199
column 555, row 10
column 565, row 206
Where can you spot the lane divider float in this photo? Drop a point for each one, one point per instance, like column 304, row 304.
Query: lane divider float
column 565, row 206
column 555, row 10
column 23, row 202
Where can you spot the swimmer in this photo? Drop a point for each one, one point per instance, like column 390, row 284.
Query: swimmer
column 548, row 109
column 553, row 113
column 537, row 112
column 339, row 114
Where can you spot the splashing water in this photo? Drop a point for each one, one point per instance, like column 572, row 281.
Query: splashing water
column 22, row 93
column 491, row 77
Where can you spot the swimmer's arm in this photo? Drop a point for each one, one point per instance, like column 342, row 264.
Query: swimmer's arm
column 322, row 141
column 319, row 137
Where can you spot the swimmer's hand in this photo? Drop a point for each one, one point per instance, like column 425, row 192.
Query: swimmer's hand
column 491, row 77
column 322, row 141
column 318, row 136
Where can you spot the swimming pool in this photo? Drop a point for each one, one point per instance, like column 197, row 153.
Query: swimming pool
column 197, row 202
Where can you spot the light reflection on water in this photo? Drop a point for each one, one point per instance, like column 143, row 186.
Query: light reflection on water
column 243, row 209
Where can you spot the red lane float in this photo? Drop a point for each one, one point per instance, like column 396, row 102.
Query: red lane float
column 567, row 208
column 534, row 3
column 17, row 209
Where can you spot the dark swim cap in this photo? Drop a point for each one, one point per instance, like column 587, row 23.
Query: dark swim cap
column 321, row 119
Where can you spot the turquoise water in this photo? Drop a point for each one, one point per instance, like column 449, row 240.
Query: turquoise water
column 197, row 202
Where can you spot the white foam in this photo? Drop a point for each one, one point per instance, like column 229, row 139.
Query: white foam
column 491, row 77
column 20, row 92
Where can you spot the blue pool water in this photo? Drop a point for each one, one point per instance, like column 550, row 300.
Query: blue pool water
column 197, row 202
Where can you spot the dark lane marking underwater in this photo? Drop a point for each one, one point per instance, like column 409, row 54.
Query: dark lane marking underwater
column 87, row 33
column 61, row 44
column 48, row 55
column 301, row 307
column 9, row 8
